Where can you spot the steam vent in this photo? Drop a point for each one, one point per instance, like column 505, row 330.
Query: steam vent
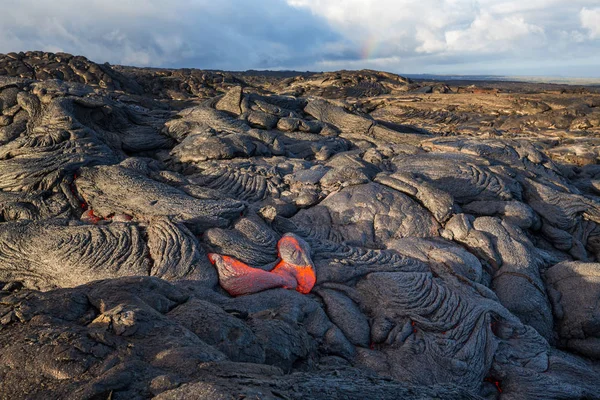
column 190, row 234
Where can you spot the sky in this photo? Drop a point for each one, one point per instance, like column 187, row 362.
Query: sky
column 477, row 37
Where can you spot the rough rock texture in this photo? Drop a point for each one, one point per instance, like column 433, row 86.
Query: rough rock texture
column 574, row 288
column 452, row 230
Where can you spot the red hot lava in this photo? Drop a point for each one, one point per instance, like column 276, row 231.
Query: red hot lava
column 295, row 270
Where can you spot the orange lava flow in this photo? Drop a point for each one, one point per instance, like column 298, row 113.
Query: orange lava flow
column 295, row 261
column 294, row 271
column 289, row 241
column 232, row 262
column 239, row 279
column 304, row 275
column 90, row 216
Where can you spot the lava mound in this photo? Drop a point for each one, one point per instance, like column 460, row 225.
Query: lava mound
column 192, row 234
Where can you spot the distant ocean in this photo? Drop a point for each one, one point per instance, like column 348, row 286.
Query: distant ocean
column 502, row 78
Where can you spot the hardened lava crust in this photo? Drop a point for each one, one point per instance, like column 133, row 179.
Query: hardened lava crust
column 190, row 234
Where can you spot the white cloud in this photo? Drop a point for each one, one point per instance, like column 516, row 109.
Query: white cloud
column 494, row 34
column 388, row 22
column 439, row 26
column 443, row 32
column 590, row 20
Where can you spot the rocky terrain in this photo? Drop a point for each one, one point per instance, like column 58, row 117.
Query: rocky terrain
column 348, row 235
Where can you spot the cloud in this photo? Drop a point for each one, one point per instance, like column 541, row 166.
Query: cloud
column 431, row 35
column 229, row 34
column 590, row 20
column 442, row 25
column 494, row 34
column 406, row 36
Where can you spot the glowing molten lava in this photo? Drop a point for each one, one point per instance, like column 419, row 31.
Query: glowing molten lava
column 295, row 270
column 495, row 383
column 90, row 217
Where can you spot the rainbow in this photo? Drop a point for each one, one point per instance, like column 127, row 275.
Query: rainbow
column 369, row 48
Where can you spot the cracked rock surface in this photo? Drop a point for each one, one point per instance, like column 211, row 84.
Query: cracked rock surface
column 453, row 230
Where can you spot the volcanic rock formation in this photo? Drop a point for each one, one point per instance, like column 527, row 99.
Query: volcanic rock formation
column 350, row 235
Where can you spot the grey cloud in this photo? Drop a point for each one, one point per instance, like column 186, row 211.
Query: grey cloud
column 229, row 34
